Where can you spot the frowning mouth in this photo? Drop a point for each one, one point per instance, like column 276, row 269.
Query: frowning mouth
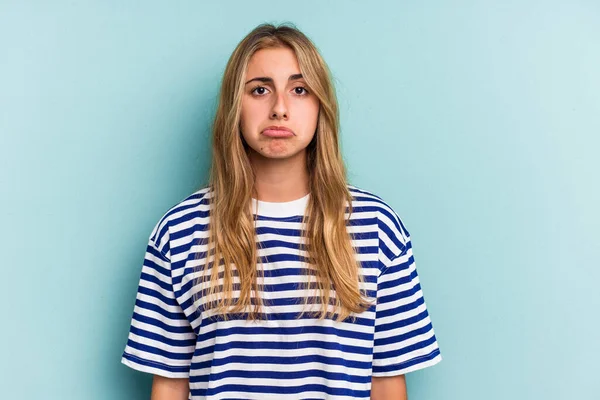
column 277, row 131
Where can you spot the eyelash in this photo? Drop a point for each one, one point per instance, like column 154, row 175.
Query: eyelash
column 259, row 95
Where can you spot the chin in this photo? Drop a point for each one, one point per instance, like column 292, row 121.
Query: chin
column 277, row 155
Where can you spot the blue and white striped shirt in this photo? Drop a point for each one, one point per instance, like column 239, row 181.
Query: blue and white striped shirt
column 280, row 357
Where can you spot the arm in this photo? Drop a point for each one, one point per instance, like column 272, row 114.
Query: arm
column 389, row 388
column 170, row 388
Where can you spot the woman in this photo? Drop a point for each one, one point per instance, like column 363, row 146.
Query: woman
column 316, row 294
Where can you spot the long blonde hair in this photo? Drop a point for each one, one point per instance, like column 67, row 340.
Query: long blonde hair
column 232, row 232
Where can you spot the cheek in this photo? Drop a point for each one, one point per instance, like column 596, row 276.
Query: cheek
column 250, row 115
column 311, row 114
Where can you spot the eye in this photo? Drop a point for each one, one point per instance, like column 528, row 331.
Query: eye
column 300, row 90
column 259, row 90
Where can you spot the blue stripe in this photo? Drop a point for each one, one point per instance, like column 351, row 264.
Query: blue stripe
column 286, row 332
column 293, row 345
column 393, row 283
column 154, row 364
column 158, row 296
column 271, row 374
column 406, row 336
column 153, row 350
column 399, row 323
column 167, row 315
column 161, row 324
column 288, row 316
column 399, row 310
column 163, row 339
column 404, row 350
column 407, row 364
column 283, row 390
column 278, row 360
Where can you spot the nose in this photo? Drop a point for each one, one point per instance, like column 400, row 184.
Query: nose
column 280, row 108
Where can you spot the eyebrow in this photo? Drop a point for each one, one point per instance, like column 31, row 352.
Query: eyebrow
column 266, row 79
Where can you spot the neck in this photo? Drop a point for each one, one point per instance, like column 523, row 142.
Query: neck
column 280, row 180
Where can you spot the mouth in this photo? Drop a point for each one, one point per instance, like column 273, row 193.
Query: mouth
column 277, row 131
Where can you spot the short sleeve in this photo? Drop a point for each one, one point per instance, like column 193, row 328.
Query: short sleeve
column 404, row 338
column 161, row 340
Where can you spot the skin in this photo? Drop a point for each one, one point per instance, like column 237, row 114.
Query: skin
column 389, row 388
column 279, row 165
column 169, row 388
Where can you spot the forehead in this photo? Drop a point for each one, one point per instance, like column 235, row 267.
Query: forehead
column 273, row 62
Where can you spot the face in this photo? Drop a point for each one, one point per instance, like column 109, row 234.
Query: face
column 277, row 98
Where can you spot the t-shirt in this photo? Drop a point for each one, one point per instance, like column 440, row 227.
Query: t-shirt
column 280, row 357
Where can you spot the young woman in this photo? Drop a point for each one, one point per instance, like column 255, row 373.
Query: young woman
column 278, row 279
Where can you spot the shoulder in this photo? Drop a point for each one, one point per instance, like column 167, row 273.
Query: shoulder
column 179, row 216
column 393, row 235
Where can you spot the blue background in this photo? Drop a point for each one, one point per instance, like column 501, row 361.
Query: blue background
column 478, row 122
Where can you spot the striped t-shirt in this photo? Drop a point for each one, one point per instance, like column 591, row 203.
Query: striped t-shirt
column 280, row 357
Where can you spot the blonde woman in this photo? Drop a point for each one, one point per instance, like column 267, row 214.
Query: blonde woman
column 279, row 279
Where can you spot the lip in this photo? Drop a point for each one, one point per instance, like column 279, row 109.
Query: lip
column 277, row 131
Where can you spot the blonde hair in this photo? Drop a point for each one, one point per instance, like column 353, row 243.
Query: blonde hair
column 232, row 231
